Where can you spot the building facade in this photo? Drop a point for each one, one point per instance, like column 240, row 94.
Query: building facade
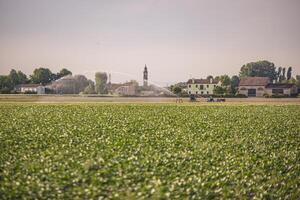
column 260, row 86
column 281, row 89
column 253, row 86
column 202, row 86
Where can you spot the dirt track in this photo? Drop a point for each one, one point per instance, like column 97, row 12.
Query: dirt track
column 83, row 99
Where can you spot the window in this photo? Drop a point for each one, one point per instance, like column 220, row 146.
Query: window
column 201, row 87
column 196, row 92
column 189, row 86
column 201, row 92
column 196, row 85
column 207, row 86
column 189, row 92
column 207, row 92
column 214, row 86
column 252, row 92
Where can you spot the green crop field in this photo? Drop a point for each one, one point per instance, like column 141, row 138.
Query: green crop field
column 157, row 151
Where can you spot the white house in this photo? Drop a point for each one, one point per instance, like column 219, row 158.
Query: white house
column 202, row 86
column 35, row 88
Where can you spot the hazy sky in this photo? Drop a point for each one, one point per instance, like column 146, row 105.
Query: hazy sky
column 177, row 39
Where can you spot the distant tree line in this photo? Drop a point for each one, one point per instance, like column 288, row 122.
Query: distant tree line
column 62, row 82
column 41, row 76
column 79, row 83
column 267, row 69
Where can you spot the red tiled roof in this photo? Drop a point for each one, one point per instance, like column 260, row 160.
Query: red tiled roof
column 202, row 81
column 254, row 81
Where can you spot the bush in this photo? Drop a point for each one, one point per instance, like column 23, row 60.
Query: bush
column 5, row 91
column 30, row 92
column 241, row 96
column 49, row 91
column 279, row 96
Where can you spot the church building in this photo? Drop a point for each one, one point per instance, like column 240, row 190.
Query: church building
column 145, row 78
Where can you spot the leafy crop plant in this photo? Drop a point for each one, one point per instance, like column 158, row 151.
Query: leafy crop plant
column 145, row 151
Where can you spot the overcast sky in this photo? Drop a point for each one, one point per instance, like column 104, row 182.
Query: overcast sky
column 177, row 39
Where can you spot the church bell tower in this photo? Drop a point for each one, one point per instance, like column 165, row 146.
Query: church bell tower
column 145, row 76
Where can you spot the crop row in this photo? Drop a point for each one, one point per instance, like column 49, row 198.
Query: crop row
column 115, row 151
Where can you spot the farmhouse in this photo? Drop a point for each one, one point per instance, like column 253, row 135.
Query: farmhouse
column 259, row 86
column 253, row 86
column 281, row 88
column 34, row 88
column 202, row 86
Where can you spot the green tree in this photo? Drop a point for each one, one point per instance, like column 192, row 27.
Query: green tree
column 63, row 72
column 177, row 90
column 279, row 77
column 289, row 73
column 225, row 80
column 209, row 77
column 219, row 90
column 13, row 78
column 234, row 83
column 298, row 80
column 22, row 77
column 259, row 69
column 283, row 74
column 41, row 76
column 4, row 83
column 101, row 81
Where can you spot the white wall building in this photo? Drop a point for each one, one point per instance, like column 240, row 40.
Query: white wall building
column 202, row 86
column 35, row 88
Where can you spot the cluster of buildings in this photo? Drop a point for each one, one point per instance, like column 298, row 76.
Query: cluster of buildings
column 132, row 88
column 248, row 86
column 260, row 86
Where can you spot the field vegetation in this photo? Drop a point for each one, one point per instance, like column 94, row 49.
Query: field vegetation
column 139, row 151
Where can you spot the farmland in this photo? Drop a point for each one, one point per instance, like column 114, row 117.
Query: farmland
column 139, row 151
